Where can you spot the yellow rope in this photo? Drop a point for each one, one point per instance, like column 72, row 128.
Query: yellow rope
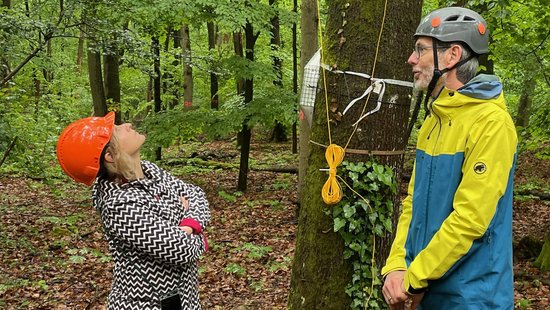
column 332, row 192
column 373, row 68
column 320, row 33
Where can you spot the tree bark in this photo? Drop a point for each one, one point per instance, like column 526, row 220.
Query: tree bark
column 111, row 75
column 525, row 103
column 279, row 131
column 212, row 34
column 96, row 81
column 155, row 46
column 309, row 28
column 295, row 78
column 238, row 48
column 80, row 48
column 320, row 273
column 187, row 71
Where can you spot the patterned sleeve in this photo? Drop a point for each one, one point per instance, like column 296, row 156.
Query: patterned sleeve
column 128, row 220
column 198, row 205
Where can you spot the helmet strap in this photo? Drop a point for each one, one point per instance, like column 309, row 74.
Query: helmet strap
column 438, row 73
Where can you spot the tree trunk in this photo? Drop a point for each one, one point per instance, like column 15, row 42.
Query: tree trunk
column 112, row 82
column 96, row 81
column 309, row 27
column 295, row 77
column 320, row 273
column 238, row 48
column 4, row 63
column 525, row 102
column 279, row 131
column 212, row 34
column 80, row 49
column 543, row 261
column 155, row 46
column 187, row 71
column 245, row 134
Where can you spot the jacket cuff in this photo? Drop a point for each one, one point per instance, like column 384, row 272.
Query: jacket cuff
column 410, row 288
column 395, row 264
column 196, row 226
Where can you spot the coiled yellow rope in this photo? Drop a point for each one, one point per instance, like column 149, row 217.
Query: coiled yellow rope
column 332, row 192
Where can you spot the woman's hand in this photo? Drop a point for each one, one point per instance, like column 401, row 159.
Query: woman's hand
column 186, row 229
column 185, row 203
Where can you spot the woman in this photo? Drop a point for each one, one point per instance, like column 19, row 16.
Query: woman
column 152, row 221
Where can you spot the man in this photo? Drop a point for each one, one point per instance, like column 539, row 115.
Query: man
column 453, row 247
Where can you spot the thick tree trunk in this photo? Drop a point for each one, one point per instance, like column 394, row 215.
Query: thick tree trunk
column 187, row 70
column 96, row 81
column 320, row 273
column 212, row 34
column 245, row 134
column 525, row 103
column 543, row 261
column 309, row 29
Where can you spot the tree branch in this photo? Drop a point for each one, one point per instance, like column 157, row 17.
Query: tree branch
column 540, row 44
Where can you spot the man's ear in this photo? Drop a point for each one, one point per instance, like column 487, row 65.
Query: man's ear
column 455, row 52
column 109, row 157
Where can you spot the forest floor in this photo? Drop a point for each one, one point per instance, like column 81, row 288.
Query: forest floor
column 53, row 254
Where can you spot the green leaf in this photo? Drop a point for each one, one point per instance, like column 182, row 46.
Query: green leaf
column 339, row 223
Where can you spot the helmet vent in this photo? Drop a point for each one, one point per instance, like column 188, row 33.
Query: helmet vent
column 452, row 18
column 469, row 18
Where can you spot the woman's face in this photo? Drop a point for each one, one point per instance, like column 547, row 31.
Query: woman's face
column 129, row 140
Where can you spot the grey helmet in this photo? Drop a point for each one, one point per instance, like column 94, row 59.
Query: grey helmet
column 454, row 24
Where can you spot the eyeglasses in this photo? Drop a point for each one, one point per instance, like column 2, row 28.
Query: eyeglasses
column 419, row 49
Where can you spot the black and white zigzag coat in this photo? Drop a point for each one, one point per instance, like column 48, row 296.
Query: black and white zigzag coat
column 153, row 258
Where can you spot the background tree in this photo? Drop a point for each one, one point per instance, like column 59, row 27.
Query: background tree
column 309, row 34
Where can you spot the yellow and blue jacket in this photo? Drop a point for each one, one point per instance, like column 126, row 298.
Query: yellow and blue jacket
column 454, row 236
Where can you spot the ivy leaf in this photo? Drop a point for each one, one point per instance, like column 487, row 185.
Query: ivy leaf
column 372, row 217
column 378, row 229
column 339, row 223
column 387, row 225
column 349, row 211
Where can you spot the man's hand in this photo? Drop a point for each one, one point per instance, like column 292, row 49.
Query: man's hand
column 414, row 301
column 393, row 290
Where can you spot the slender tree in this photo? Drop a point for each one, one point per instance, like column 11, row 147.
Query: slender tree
column 320, row 273
column 309, row 33
column 155, row 48
column 96, row 80
column 187, row 69
column 212, row 37
column 525, row 103
column 250, row 41
column 295, row 77
column 279, row 131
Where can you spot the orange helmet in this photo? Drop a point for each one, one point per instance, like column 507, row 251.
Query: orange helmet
column 80, row 146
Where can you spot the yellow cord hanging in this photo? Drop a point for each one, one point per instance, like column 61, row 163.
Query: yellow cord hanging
column 332, row 192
